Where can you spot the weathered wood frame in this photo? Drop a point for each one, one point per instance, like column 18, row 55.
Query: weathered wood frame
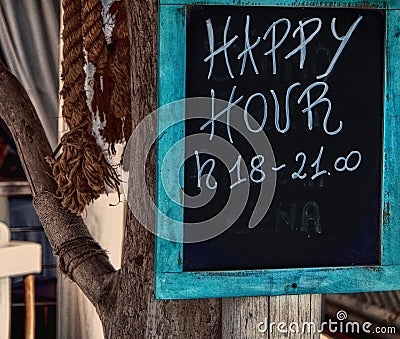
column 170, row 280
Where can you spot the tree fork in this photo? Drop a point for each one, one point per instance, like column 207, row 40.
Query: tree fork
column 85, row 264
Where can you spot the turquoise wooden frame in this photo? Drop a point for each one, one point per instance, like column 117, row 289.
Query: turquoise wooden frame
column 170, row 280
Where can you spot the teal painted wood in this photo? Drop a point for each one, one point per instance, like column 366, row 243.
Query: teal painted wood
column 188, row 285
column 392, row 4
column 391, row 166
column 171, row 87
column 170, row 281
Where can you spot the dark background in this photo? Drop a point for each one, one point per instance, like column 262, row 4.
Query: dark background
column 348, row 202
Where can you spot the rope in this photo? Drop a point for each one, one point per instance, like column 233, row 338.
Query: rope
column 81, row 170
column 119, row 125
column 80, row 245
column 74, row 108
column 95, row 45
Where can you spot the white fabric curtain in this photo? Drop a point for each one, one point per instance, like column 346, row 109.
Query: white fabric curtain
column 29, row 41
column 30, row 44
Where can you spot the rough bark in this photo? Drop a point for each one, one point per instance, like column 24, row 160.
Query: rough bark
column 180, row 319
column 124, row 299
column 63, row 228
column 142, row 316
column 20, row 116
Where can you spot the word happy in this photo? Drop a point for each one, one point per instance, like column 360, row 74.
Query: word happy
column 275, row 43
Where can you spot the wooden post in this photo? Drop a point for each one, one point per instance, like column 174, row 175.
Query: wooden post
column 258, row 317
column 240, row 316
column 30, row 315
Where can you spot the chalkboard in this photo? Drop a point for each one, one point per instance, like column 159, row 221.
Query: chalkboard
column 327, row 203
column 278, row 166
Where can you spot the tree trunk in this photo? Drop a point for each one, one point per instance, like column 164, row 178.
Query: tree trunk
column 124, row 299
column 131, row 304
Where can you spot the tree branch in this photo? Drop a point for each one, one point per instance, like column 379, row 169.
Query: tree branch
column 80, row 256
column 20, row 116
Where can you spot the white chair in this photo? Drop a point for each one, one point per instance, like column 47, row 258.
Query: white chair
column 16, row 258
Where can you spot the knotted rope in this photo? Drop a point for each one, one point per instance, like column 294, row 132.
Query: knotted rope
column 119, row 123
column 80, row 245
column 81, row 170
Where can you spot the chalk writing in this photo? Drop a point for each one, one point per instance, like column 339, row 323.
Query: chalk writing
column 246, row 51
column 275, row 44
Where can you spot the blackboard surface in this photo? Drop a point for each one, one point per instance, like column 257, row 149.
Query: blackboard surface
column 333, row 220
